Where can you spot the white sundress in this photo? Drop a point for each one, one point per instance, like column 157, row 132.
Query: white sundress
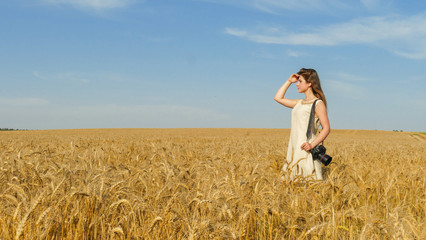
column 300, row 162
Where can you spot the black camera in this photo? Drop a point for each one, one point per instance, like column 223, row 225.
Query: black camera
column 318, row 153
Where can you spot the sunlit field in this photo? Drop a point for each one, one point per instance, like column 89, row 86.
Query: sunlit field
column 207, row 184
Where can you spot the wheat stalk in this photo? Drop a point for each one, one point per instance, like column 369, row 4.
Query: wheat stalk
column 24, row 219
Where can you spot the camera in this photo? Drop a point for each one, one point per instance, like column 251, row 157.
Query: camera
column 318, row 153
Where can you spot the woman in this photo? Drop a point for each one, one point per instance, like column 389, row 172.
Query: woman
column 299, row 159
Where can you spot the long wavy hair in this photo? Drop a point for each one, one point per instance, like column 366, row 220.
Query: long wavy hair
column 311, row 76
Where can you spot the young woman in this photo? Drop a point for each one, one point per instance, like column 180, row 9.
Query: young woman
column 299, row 159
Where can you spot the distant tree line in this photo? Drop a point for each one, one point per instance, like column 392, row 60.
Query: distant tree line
column 11, row 129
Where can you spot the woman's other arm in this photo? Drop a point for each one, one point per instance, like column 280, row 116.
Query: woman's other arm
column 321, row 112
column 279, row 96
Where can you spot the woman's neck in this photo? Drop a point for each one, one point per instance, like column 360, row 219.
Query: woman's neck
column 309, row 94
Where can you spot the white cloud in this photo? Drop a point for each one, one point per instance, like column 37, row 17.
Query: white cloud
column 92, row 4
column 108, row 116
column 370, row 4
column 293, row 53
column 275, row 6
column 347, row 85
column 23, row 102
column 70, row 77
column 405, row 36
column 236, row 32
column 272, row 5
column 344, row 89
column 413, row 53
column 365, row 30
column 347, row 77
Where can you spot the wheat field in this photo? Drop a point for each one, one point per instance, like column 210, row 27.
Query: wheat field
column 207, row 184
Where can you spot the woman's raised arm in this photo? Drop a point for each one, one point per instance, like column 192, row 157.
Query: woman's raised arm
column 279, row 96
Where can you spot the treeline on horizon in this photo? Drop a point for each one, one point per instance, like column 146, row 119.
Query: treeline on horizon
column 12, row 129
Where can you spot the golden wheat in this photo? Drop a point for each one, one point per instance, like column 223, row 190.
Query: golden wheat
column 207, row 184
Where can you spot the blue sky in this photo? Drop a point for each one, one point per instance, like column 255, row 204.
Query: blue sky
column 209, row 63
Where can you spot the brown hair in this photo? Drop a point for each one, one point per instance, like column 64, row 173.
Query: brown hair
column 311, row 76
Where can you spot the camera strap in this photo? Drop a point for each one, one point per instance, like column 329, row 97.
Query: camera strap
column 311, row 121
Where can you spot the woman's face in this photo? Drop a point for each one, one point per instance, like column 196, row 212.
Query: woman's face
column 302, row 85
